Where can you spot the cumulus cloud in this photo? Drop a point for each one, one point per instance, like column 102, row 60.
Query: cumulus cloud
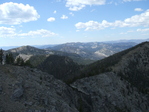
column 71, row 14
column 143, row 30
column 138, row 9
column 76, row 5
column 7, row 32
column 131, row 0
column 134, row 21
column 38, row 33
column 51, row 19
column 17, row 13
column 64, row 17
column 11, row 32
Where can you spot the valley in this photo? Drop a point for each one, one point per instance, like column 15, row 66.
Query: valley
column 77, row 77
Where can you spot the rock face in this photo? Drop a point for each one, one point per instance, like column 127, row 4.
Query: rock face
column 110, row 94
column 30, row 90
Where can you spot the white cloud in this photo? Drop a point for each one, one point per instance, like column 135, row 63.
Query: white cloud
column 131, row 0
column 143, row 30
column 64, row 17
column 7, row 32
column 71, row 14
column 55, row 12
column 134, row 21
column 138, row 9
column 76, row 5
column 15, row 13
column 11, row 32
column 130, row 31
column 51, row 19
column 38, row 33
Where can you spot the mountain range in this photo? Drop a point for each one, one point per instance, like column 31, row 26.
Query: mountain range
column 81, row 53
column 117, row 83
column 93, row 50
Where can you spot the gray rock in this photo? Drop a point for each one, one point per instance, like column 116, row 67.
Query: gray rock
column 17, row 94
column 28, row 103
column 109, row 94
column 29, row 95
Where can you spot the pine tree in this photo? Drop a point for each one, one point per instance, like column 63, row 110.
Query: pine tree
column 1, row 56
column 20, row 61
column 9, row 59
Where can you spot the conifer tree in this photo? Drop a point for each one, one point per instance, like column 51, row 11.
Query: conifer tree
column 20, row 61
column 1, row 56
column 9, row 59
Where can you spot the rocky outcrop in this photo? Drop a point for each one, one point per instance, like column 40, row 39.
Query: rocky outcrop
column 111, row 94
column 23, row 89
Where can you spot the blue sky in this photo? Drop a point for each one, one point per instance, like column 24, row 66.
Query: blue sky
column 41, row 22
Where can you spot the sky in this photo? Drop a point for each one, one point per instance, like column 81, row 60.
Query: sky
column 43, row 22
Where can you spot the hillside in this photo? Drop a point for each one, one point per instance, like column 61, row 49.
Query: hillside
column 119, row 83
column 131, row 65
column 23, row 89
column 60, row 67
column 29, row 50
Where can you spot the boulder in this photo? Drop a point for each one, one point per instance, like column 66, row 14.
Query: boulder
column 17, row 94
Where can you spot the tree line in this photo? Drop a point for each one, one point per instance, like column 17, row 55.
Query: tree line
column 9, row 59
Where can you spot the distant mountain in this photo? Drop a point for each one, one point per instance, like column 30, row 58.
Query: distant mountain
column 131, row 40
column 8, row 47
column 29, row 50
column 44, row 46
column 93, row 50
column 33, row 53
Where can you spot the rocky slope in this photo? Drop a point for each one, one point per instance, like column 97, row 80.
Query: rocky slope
column 111, row 94
column 93, row 50
column 24, row 89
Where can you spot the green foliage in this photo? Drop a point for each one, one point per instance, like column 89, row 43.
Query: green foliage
column 36, row 60
column 1, row 56
column 28, row 63
column 9, row 58
column 20, row 61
